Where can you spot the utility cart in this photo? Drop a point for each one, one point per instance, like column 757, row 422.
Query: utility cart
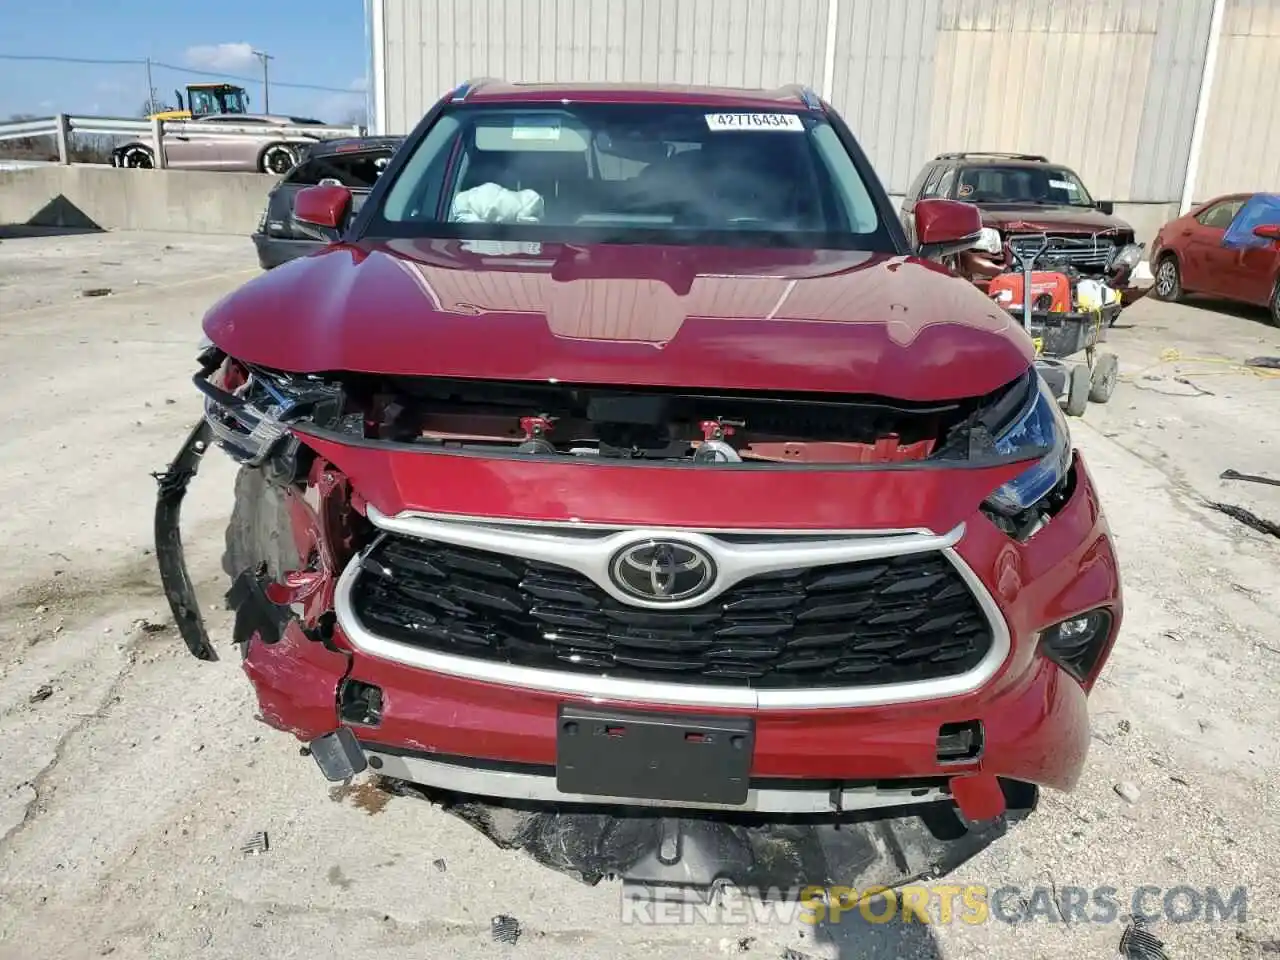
column 1067, row 318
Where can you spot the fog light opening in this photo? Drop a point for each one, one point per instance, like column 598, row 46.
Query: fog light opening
column 360, row 703
column 1076, row 644
column 960, row 742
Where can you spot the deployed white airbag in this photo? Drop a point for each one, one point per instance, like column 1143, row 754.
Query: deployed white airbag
column 491, row 203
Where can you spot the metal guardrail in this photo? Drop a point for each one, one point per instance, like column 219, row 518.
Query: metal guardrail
column 62, row 127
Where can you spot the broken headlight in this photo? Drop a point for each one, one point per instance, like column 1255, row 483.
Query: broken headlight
column 989, row 241
column 1128, row 256
column 253, row 423
column 1040, row 426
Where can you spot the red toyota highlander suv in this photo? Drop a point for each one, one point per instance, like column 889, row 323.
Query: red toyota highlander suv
column 619, row 454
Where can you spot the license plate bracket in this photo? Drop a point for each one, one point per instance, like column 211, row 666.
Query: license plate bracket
column 670, row 757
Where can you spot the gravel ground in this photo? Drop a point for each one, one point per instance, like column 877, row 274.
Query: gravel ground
column 132, row 775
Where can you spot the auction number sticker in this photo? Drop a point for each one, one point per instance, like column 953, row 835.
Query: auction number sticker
column 1063, row 185
column 754, row 121
column 535, row 128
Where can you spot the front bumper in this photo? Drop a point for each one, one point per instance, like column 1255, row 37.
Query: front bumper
column 500, row 740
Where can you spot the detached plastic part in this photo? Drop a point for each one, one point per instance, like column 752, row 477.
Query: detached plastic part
column 338, row 755
column 178, row 589
column 689, row 856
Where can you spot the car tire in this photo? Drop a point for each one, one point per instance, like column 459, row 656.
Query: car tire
column 278, row 159
column 1102, row 381
column 1168, row 280
column 1078, row 386
column 137, row 156
column 1273, row 308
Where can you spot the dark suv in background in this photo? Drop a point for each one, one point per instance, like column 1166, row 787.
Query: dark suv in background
column 354, row 163
column 1022, row 196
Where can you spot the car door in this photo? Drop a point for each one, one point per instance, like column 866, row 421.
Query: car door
column 1255, row 262
column 195, row 148
column 1207, row 263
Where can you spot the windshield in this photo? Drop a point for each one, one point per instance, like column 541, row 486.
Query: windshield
column 1038, row 184
column 214, row 100
column 632, row 173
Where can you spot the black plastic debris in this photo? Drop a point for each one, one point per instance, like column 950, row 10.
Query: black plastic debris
column 1247, row 517
column 1139, row 943
column 43, row 692
column 1250, row 477
column 440, row 865
column 665, row 855
column 505, row 929
column 256, row 844
column 96, row 292
column 1270, row 363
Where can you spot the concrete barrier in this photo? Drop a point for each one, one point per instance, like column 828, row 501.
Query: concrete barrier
column 186, row 201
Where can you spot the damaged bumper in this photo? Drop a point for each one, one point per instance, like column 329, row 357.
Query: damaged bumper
column 665, row 784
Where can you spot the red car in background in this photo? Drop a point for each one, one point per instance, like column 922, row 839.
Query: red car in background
column 1199, row 253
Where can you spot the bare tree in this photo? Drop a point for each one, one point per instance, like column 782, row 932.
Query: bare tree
column 28, row 148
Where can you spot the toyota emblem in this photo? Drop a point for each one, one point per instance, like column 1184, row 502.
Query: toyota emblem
column 663, row 571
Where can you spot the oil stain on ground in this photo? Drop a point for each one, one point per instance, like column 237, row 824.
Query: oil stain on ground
column 368, row 795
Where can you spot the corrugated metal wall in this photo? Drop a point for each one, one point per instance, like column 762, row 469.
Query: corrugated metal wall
column 1242, row 129
column 432, row 45
column 1107, row 86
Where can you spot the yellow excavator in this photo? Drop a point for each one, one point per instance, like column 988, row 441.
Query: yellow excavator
column 206, row 99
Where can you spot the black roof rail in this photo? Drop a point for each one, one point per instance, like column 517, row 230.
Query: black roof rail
column 964, row 155
column 804, row 93
column 462, row 90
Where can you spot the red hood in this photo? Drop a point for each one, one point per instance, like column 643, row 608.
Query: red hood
column 713, row 318
column 1033, row 218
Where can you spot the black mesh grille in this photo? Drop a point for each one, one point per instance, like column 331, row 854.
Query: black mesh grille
column 845, row 625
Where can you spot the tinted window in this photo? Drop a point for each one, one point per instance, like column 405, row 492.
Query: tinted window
column 994, row 183
column 1220, row 215
column 633, row 173
column 931, row 182
column 357, row 171
column 946, row 184
column 918, row 184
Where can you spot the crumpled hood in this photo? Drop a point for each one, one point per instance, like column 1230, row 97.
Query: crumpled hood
column 1031, row 218
column 714, row 318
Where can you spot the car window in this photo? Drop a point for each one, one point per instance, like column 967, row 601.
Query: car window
column 931, row 182
column 1024, row 184
column 1220, row 215
column 633, row 173
column 945, row 185
column 917, row 185
column 356, row 171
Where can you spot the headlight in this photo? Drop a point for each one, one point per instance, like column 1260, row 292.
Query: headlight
column 989, row 241
column 1039, row 426
column 1129, row 256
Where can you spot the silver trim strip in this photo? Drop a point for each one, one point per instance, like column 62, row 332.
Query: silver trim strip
column 591, row 556
column 602, row 688
column 509, row 785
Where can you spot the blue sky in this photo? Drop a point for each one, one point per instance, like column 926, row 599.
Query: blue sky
column 315, row 42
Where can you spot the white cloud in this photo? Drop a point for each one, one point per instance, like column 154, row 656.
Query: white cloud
column 47, row 104
column 221, row 56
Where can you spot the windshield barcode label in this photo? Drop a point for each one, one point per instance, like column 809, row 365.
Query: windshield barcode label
column 754, row 121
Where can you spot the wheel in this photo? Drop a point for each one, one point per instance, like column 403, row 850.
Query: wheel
column 279, row 158
column 1102, row 381
column 1274, row 305
column 137, row 156
column 1168, row 285
column 1078, row 392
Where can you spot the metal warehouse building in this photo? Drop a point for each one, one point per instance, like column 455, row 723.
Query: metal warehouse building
column 1154, row 102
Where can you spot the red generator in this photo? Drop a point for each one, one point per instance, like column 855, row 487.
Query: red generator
column 1050, row 292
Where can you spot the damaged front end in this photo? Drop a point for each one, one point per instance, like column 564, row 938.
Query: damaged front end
column 301, row 525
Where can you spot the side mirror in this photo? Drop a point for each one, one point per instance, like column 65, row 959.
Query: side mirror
column 1106, row 206
column 945, row 227
column 1268, row 231
column 323, row 209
